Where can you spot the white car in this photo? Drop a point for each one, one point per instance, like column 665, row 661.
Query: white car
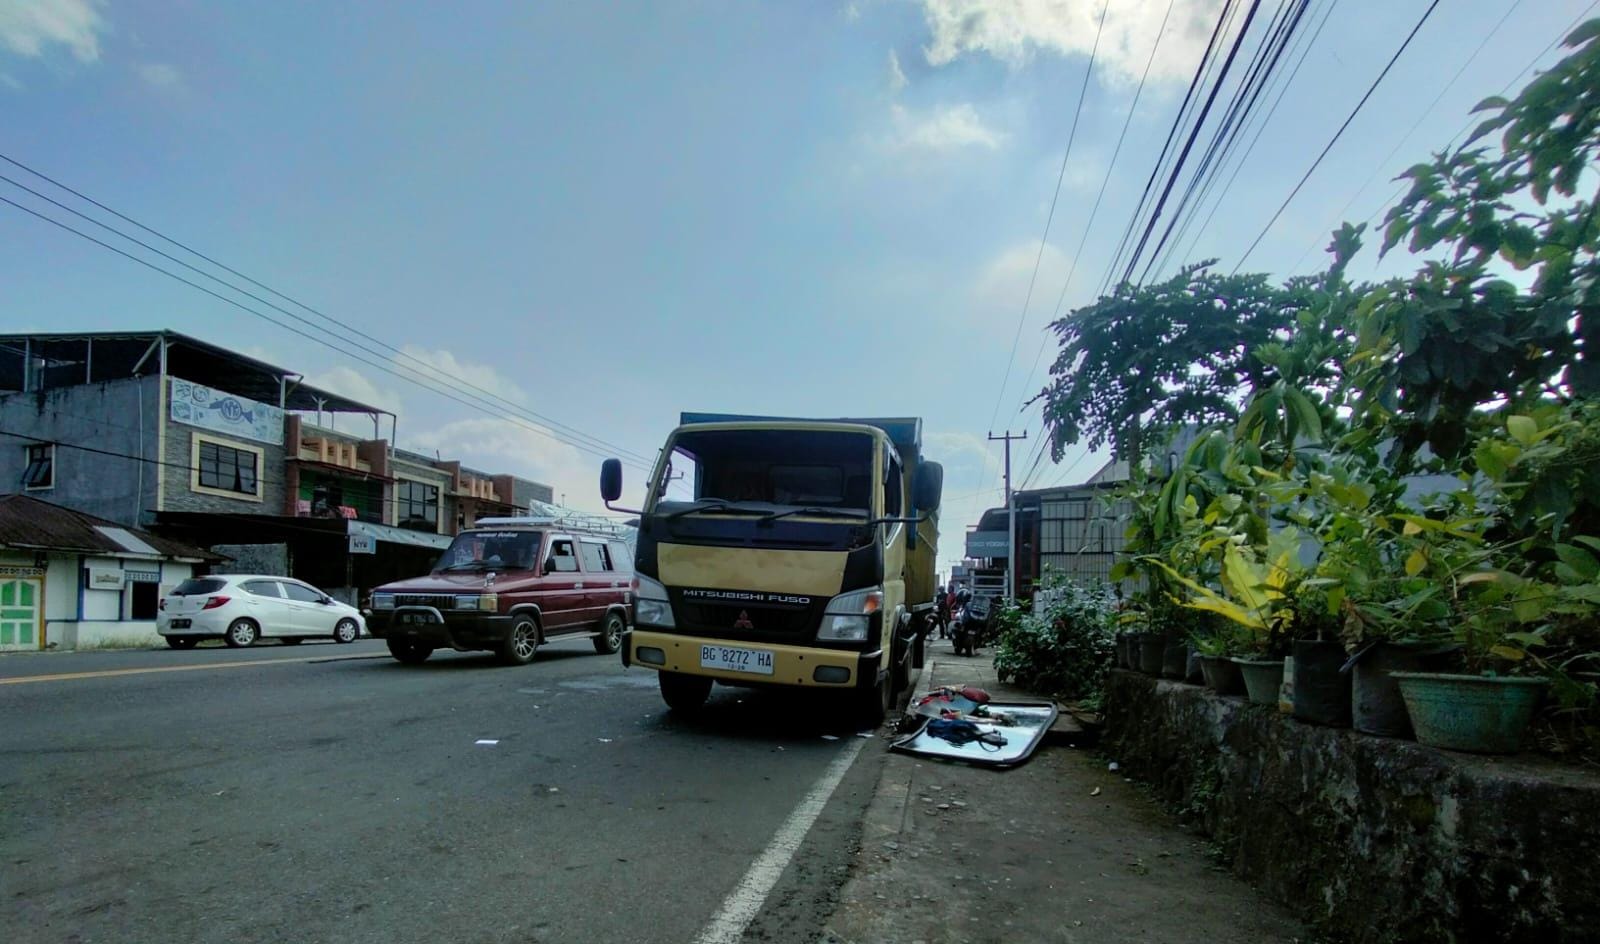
column 242, row 608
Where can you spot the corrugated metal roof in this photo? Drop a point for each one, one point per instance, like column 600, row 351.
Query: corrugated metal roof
column 27, row 523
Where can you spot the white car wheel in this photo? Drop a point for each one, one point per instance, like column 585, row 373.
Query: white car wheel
column 347, row 631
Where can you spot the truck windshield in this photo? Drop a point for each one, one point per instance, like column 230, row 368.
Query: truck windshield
column 759, row 469
column 490, row 550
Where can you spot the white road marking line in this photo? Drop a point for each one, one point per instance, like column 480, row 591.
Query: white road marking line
column 727, row 926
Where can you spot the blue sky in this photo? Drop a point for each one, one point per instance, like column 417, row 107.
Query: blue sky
column 614, row 212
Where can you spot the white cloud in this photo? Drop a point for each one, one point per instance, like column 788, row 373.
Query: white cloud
column 852, row 12
column 159, row 75
column 943, row 128
column 1013, row 31
column 502, row 445
column 1004, row 281
column 29, row 28
column 897, row 76
column 478, row 375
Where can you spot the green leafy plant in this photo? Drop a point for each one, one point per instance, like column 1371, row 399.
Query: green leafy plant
column 1065, row 651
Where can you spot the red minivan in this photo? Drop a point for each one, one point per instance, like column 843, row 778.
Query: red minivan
column 507, row 586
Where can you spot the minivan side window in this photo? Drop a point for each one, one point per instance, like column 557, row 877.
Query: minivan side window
column 595, row 557
column 621, row 556
column 563, row 558
column 262, row 588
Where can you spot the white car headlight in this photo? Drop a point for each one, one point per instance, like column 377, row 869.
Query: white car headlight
column 383, row 601
column 848, row 617
column 650, row 604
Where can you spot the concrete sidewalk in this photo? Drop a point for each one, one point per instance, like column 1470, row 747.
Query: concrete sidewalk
column 1060, row 849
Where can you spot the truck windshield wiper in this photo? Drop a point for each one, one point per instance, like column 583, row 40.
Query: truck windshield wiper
column 464, row 565
column 704, row 505
column 826, row 512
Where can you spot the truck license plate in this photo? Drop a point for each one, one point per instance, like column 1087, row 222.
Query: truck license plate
column 731, row 659
column 418, row 619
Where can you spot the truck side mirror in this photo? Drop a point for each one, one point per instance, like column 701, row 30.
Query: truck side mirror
column 927, row 486
column 611, row 479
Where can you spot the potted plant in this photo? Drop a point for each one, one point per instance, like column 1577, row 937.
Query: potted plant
column 1216, row 642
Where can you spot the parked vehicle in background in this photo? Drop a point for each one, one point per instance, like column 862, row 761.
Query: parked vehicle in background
column 241, row 609
column 508, row 586
column 776, row 552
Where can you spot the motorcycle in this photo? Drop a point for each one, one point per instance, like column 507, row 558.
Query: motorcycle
column 963, row 632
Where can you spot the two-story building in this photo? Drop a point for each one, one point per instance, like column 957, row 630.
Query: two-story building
column 163, row 431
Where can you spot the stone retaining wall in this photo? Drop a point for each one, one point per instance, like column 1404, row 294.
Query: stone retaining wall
column 1370, row 839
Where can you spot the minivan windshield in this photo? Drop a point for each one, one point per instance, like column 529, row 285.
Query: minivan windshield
column 491, row 550
column 757, row 470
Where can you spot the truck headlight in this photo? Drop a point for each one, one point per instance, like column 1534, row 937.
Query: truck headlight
column 478, row 601
column 848, row 617
column 650, row 604
column 383, row 601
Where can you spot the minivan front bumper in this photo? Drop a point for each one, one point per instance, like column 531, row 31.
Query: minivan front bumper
column 428, row 626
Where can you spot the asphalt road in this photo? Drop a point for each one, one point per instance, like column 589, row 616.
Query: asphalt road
column 327, row 793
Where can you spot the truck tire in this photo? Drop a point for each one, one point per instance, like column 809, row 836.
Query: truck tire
column 684, row 694
column 409, row 652
column 610, row 638
column 872, row 702
column 521, row 643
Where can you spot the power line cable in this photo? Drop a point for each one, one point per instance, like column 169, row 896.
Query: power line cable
column 1201, row 70
column 1050, row 216
column 397, row 352
column 328, row 344
column 1260, row 128
column 1240, row 112
column 1055, row 310
column 1337, row 134
column 1411, row 131
column 1044, row 239
column 1183, row 155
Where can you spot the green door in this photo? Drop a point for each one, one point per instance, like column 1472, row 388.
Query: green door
column 19, row 613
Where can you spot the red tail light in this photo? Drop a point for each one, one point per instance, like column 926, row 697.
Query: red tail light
column 214, row 602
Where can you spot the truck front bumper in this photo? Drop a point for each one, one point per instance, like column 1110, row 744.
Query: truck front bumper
column 807, row 666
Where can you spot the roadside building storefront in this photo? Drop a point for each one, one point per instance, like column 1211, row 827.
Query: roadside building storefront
column 68, row 579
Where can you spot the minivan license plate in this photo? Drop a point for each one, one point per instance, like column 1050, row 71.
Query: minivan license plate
column 731, row 659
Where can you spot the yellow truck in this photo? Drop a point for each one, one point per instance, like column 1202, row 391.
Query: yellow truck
column 784, row 552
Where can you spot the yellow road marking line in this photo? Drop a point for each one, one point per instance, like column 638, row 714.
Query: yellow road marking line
column 110, row 673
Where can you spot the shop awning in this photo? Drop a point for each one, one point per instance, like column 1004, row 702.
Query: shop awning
column 393, row 535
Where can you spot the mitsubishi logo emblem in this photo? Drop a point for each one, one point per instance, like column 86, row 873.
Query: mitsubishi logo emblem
column 743, row 622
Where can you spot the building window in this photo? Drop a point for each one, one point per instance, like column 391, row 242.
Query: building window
column 221, row 469
column 417, row 506
column 41, row 471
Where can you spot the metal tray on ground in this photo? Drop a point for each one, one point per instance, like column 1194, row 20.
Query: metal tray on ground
column 1033, row 719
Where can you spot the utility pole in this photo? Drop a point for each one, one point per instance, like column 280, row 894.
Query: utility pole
column 1011, row 515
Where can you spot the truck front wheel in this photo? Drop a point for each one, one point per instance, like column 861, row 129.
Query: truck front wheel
column 873, row 702
column 684, row 694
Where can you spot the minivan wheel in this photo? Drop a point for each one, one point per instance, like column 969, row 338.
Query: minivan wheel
column 521, row 643
column 684, row 694
column 346, row 631
column 241, row 633
column 409, row 652
column 610, row 638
